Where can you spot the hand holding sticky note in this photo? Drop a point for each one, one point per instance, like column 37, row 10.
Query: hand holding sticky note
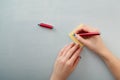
column 82, row 34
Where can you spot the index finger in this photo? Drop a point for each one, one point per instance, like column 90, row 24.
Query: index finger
column 85, row 29
column 75, row 55
column 81, row 29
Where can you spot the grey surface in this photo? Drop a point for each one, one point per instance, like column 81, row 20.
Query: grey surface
column 28, row 52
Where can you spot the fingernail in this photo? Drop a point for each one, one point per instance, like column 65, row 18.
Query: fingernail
column 81, row 48
column 80, row 57
column 75, row 35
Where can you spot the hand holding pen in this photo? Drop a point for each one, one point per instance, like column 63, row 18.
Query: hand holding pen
column 90, row 37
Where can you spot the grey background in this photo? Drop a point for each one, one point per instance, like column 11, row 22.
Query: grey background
column 28, row 52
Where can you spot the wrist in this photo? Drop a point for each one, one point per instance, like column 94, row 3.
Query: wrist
column 54, row 77
column 105, row 54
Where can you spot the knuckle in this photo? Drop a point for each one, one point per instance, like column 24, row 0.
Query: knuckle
column 76, row 55
column 61, row 61
column 70, row 51
column 57, row 60
column 69, row 64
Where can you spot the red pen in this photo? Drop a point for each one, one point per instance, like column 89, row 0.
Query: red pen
column 89, row 34
column 46, row 25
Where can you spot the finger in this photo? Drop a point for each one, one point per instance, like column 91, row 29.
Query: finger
column 90, row 29
column 62, row 50
column 67, row 48
column 82, row 40
column 87, row 29
column 71, row 51
column 75, row 55
column 82, row 29
column 76, row 62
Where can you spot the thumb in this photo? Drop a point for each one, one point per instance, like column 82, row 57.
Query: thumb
column 82, row 40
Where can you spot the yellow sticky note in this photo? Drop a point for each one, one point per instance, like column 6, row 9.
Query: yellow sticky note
column 71, row 35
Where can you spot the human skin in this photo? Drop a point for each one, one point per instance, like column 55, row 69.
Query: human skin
column 69, row 56
column 96, row 45
column 66, row 61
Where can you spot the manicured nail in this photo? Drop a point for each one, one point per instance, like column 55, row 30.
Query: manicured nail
column 76, row 35
column 80, row 57
column 73, row 34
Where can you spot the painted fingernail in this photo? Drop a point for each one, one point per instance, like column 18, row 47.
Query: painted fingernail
column 81, row 48
column 80, row 57
column 76, row 35
column 73, row 34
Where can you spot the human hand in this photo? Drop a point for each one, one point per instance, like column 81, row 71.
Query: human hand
column 94, row 43
column 66, row 62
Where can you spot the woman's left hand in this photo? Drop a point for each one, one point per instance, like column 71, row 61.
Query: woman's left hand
column 66, row 62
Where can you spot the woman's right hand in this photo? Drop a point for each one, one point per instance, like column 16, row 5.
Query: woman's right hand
column 94, row 43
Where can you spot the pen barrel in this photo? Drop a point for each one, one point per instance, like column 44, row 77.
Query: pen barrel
column 89, row 34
